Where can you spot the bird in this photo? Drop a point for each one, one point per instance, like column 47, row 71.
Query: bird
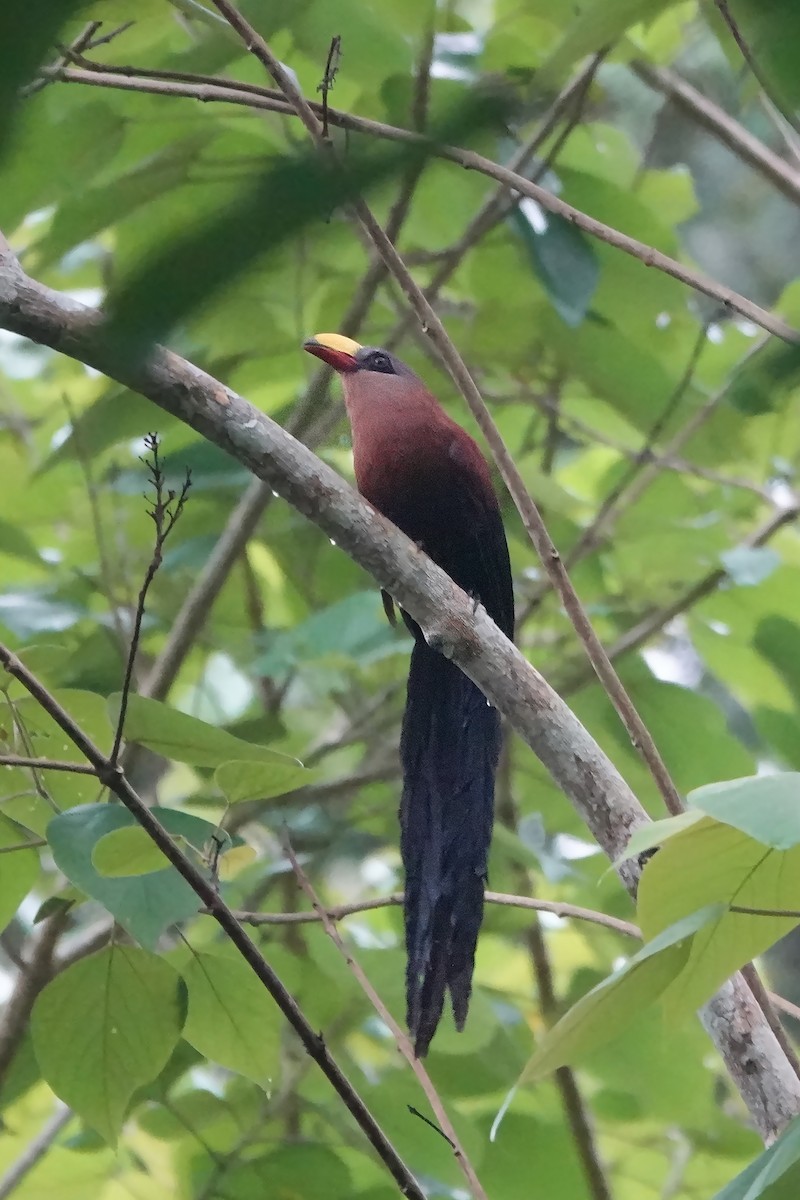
column 420, row 469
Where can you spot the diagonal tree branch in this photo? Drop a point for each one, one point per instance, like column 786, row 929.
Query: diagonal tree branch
column 578, row 765
column 314, row 1044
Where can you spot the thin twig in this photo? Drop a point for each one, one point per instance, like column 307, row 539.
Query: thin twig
column 404, row 1044
column 329, row 79
column 762, row 996
column 644, row 468
column 167, row 507
column 67, row 53
column 46, row 764
column 681, row 466
column 786, row 1006
column 575, row 1109
column 338, row 911
column 469, row 159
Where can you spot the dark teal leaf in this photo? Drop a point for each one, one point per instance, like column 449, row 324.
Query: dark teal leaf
column 355, row 627
column 563, row 260
column 763, row 381
column 145, row 905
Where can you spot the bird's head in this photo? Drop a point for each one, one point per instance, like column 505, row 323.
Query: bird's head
column 348, row 357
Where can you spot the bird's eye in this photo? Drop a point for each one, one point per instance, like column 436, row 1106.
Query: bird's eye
column 380, row 362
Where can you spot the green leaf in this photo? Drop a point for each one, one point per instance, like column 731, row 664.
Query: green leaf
column 259, row 781
column 716, row 864
column 307, row 1172
column 765, row 807
column 104, row 1027
column 131, row 851
column 187, row 739
column 764, row 379
column 355, row 627
column 563, row 259
column 231, row 1018
column 779, row 1164
column 15, row 541
column 598, row 24
column 19, row 870
column 145, row 905
column 605, row 1012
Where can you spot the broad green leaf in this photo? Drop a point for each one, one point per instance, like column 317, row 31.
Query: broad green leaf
column 258, row 780
column 131, row 850
column 19, row 870
column 765, row 807
column 178, row 736
column 231, row 1017
column 104, row 1027
column 605, row 1011
column 145, row 904
column 774, row 1174
column 716, row 864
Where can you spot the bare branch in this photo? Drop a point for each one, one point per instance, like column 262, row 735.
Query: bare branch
column 338, row 912
column 34, row 974
column 45, row 764
column 35, row 1150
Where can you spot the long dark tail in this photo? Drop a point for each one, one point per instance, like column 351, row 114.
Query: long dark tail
column 449, row 748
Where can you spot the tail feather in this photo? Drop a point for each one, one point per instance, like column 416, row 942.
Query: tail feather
column 449, row 748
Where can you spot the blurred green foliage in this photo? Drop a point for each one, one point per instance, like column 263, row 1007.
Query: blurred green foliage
column 183, row 1061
